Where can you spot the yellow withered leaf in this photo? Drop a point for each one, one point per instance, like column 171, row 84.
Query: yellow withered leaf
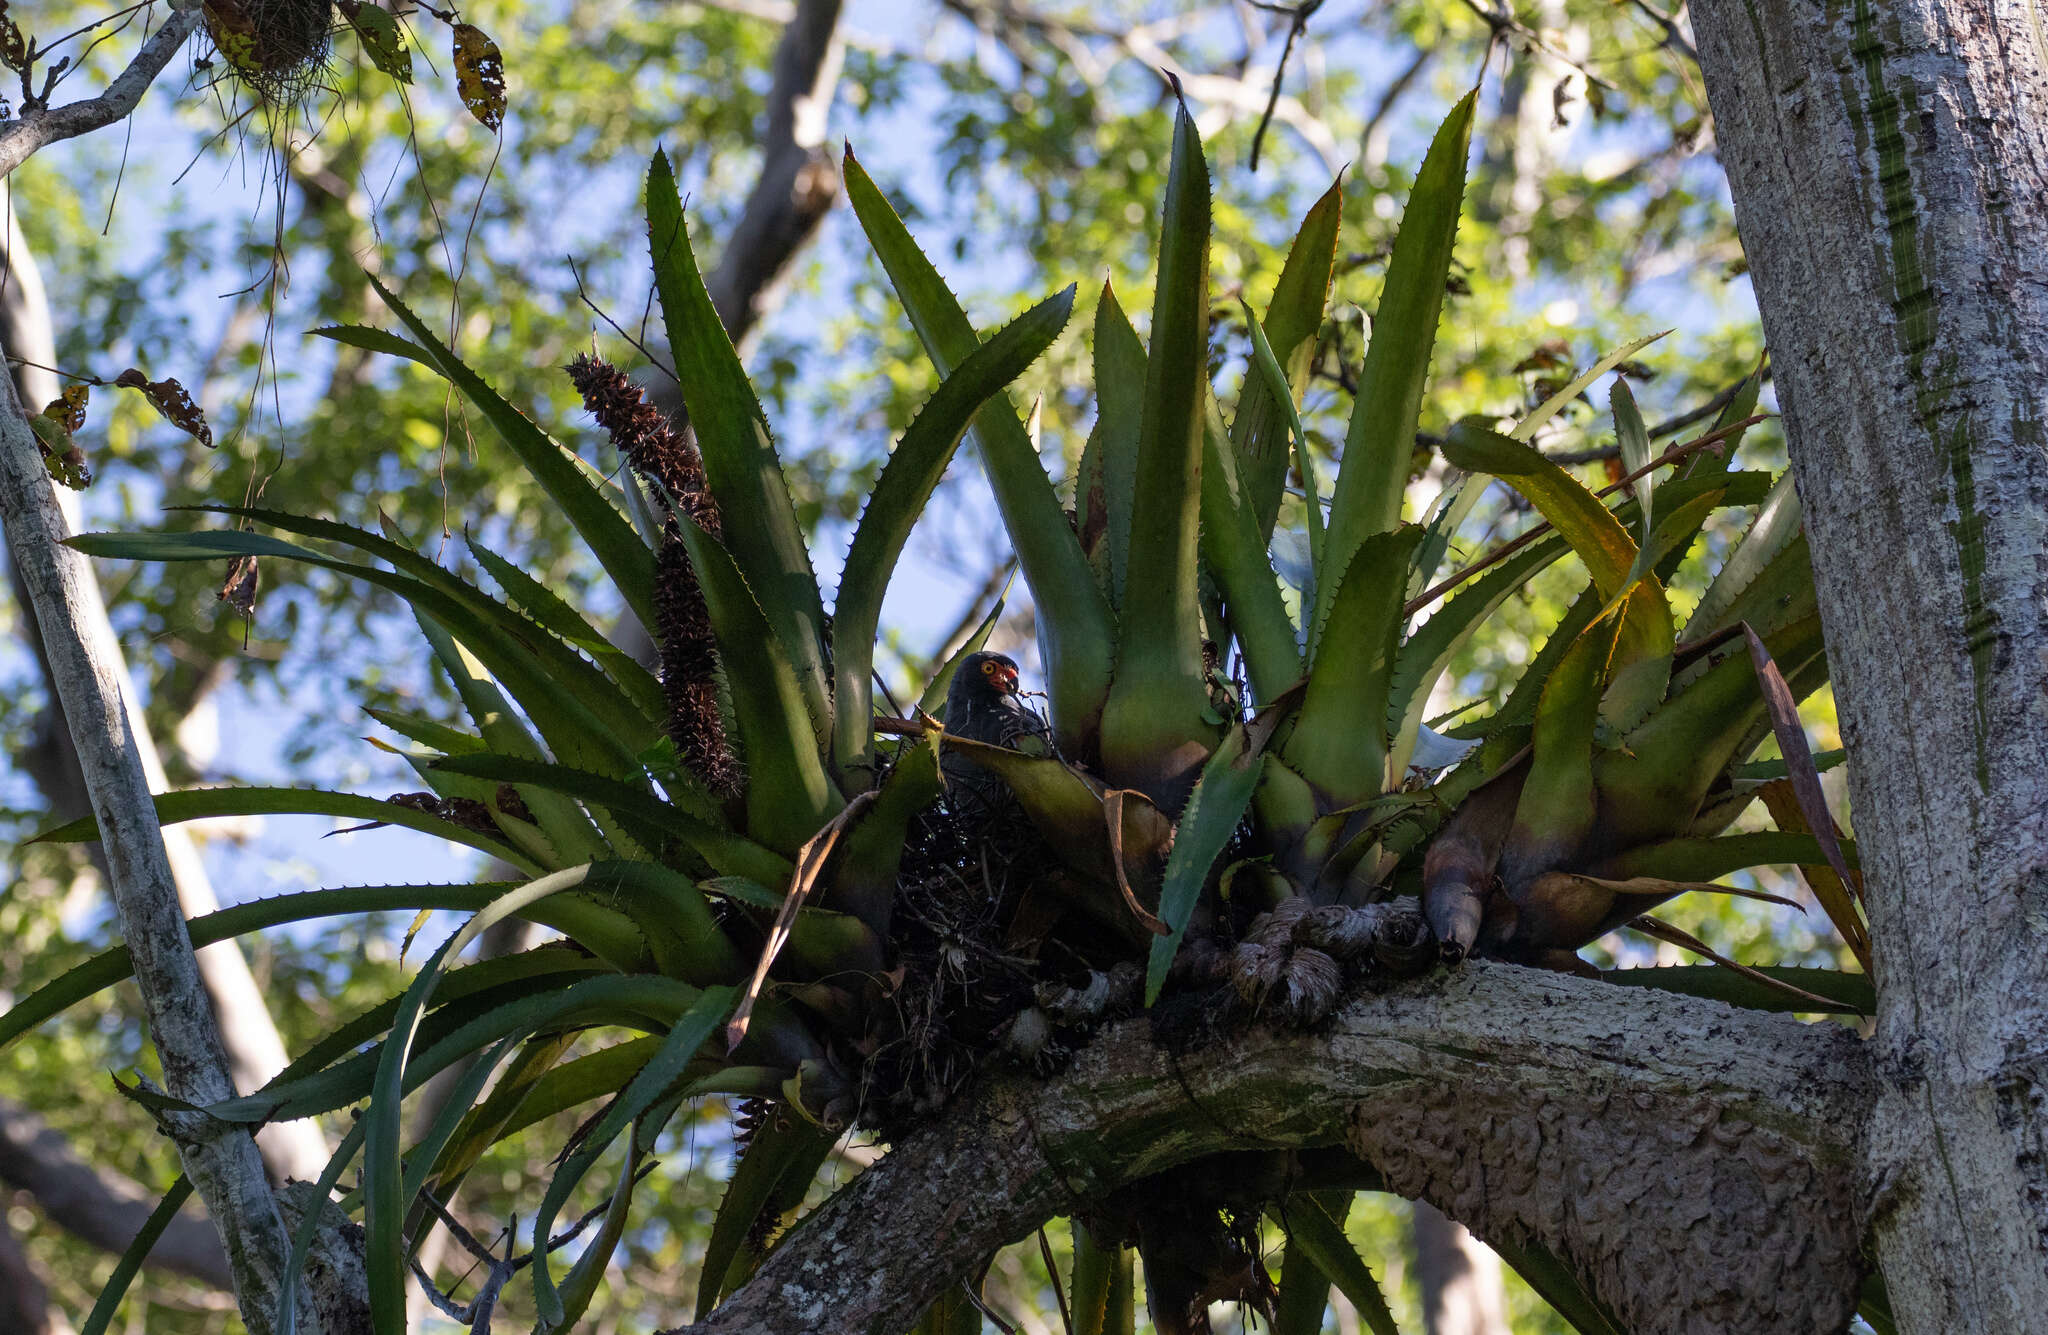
column 480, row 75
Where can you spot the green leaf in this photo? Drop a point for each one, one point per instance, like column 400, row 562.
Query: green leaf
column 900, row 494
column 375, row 340
column 384, row 1206
column 116, row 1287
column 1214, row 811
column 1591, row 529
column 788, row 796
column 728, row 854
column 1634, row 440
column 1853, row 992
column 1424, row 655
column 1089, row 1285
column 760, row 524
column 1074, row 617
column 866, row 884
column 773, row 1173
column 1773, row 530
column 383, row 41
column 1266, row 371
column 607, row 532
column 1321, row 1238
column 1525, row 430
column 548, row 609
column 1340, row 744
column 207, row 803
column 1557, row 807
column 1237, row 560
column 1381, row 439
column 1153, row 731
column 1265, row 410
column 662, row 1070
column 1119, row 413
column 1651, row 787
column 1561, row 1287
column 1708, row 858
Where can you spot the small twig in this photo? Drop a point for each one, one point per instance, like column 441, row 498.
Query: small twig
column 37, row 128
column 655, row 361
column 1297, row 23
column 1670, row 426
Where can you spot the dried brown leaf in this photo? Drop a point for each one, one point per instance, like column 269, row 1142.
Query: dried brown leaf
column 239, row 589
column 168, row 397
column 68, row 408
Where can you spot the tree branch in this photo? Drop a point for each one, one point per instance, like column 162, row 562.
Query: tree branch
column 798, row 180
column 221, row 1160
column 38, row 127
column 96, row 1206
column 1532, row 1106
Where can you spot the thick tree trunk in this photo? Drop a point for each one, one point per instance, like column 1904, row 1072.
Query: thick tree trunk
column 1890, row 170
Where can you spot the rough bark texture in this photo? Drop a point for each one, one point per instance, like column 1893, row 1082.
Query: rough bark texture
column 1890, row 170
column 1589, row 1106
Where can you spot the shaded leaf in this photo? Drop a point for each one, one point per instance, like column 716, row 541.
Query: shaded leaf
column 480, row 76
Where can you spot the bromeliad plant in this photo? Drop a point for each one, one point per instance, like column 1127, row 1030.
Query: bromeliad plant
column 762, row 883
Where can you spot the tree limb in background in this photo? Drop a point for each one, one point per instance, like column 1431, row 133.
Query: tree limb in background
column 39, row 127
column 798, row 180
column 96, row 1206
column 1460, row 1276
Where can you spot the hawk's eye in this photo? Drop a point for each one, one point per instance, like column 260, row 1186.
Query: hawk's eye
column 988, row 669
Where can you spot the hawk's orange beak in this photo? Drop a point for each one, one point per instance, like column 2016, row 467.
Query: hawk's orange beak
column 1005, row 679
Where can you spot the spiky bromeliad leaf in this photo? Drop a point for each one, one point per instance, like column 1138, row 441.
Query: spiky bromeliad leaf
column 1075, row 624
column 1154, row 733
column 207, row 803
column 1119, row 411
column 580, row 712
column 1340, row 742
column 773, row 1173
column 1214, row 810
column 1381, row 439
column 383, row 1200
column 788, row 795
column 116, row 1288
column 760, row 524
column 1849, row 993
column 1321, row 1238
column 1557, row 807
column 609, row 534
column 1237, row 560
column 1639, row 666
column 900, row 494
column 1265, row 422
column 1267, row 372
column 664, row 1069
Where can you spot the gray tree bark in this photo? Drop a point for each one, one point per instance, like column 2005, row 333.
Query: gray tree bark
column 1538, row 1107
column 1889, row 164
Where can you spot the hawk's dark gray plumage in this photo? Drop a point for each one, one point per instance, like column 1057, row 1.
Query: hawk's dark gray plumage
column 983, row 705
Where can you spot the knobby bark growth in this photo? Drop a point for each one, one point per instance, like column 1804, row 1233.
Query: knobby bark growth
column 1549, row 1109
